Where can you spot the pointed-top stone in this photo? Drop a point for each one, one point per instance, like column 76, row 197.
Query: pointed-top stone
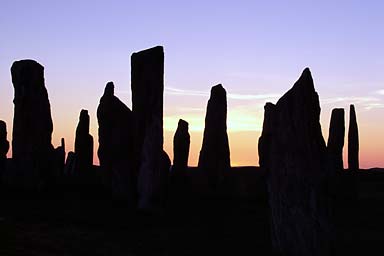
column 305, row 81
column 214, row 158
column 116, row 145
column 109, row 89
column 83, row 144
column 353, row 141
column 181, row 143
column 293, row 153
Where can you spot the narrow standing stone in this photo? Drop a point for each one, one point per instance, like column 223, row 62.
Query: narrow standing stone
column 181, row 142
column 214, row 158
column 83, row 144
column 353, row 141
column 336, row 139
column 147, row 84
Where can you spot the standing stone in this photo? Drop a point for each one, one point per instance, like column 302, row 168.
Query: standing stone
column 353, row 141
column 60, row 158
column 293, row 152
column 83, row 145
column 336, row 140
column 116, row 145
column 181, row 143
column 32, row 125
column 147, row 84
column 266, row 136
column 4, row 147
column 70, row 163
column 214, row 157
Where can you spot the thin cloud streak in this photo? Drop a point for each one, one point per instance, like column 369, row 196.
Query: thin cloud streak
column 181, row 92
column 367, row 103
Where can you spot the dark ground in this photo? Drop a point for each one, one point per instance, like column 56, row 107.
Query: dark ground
column 231, row 225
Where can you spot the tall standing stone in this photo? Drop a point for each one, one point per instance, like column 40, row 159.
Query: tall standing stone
column 336, row 139
column 4, row 147
column 181, row 143
column 147, row 84
column 83, row 144
column 32, row 125
column 116, row 145
column 353, row 141
column 293, row 153
column 214, row 157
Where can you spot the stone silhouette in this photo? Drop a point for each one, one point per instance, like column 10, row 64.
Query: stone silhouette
column 4, row 147
column 83, row 144
column 70, row 163
column 336, row 139
column 147, row 84
column 266, row 136
column 293, row 152
column 181, row 143
column 353, row 141
column 116, row 145
column 214, row 158
column 60, row 158
column 32, row 150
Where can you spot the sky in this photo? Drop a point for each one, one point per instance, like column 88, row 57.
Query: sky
column 255, row 49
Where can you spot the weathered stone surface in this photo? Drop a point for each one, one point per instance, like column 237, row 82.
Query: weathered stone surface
column 214, row 157
column 181, row 143
column 83, row 144
column 32, row 150
column 293, row 152
column 4, row 147
column 336, row 140
column 147, row 84
column 353, row 141
column 116, row 144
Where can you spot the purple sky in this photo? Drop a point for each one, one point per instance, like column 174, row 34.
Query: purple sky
column 256, row 49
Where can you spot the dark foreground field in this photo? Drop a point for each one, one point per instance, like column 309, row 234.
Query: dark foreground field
column 100, row 228
column 230, row 225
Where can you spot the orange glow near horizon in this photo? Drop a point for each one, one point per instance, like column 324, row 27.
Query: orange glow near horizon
column 244, row 122
column 243, row 133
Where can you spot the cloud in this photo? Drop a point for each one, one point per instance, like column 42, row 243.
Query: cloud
column 380, row 92
column 351, row 100
column 182, row 92
column 365, row 102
